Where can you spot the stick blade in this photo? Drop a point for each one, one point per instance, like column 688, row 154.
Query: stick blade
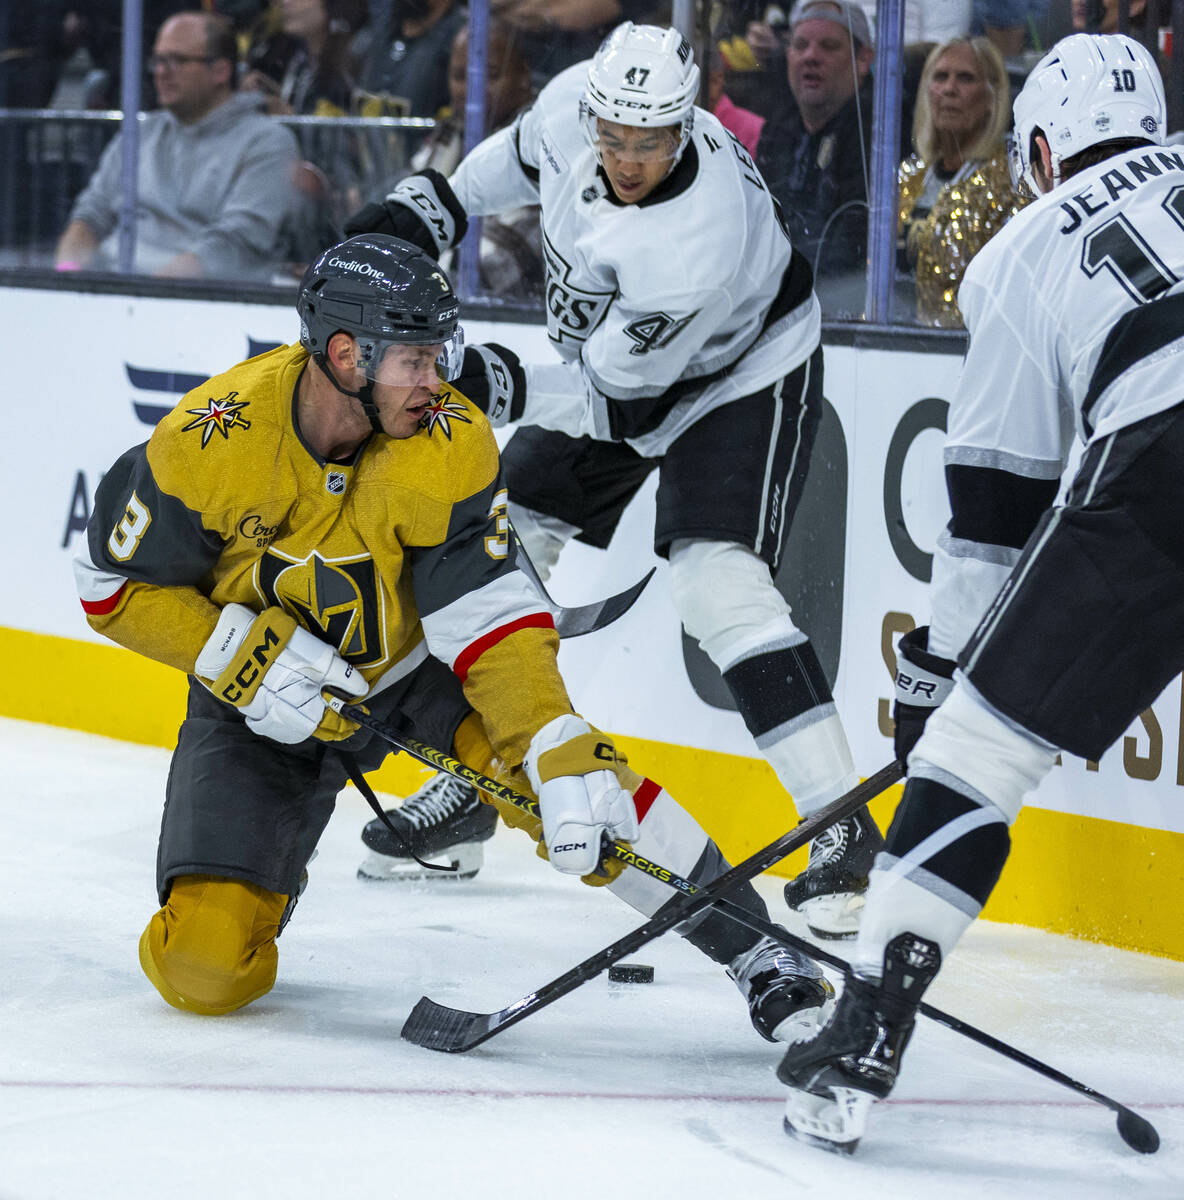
column 452, row 1030
column 588, row 618
column 1138, row 1133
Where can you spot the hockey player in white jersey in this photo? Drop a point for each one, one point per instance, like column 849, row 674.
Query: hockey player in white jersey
column 1076, row 320
column 689, row 336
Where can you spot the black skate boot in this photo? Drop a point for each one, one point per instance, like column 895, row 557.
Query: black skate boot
column 444, row 822
column 294, row 899
column 855, row 1059
column 829, row 893
column 788, row 998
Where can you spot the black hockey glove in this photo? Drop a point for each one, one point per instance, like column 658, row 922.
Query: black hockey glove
column 423, row 210
column 493, row 379
column 923, row 681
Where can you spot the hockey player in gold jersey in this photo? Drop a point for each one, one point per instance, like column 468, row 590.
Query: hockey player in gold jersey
column 331, row 515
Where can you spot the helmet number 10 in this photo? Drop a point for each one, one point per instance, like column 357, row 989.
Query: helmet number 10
column 1124, row 80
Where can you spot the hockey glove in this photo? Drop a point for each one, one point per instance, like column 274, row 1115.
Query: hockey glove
column 273, row 671
column 423, row 210
column 923, row 681
column 493, row 379
column 573, row 771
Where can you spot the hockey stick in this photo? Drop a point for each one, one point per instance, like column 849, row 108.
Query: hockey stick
column 453, row 766
column 438, row 1027
column 1136, row 1131
column 585, row 618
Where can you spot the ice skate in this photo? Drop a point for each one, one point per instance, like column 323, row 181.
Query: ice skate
column 855, row 1059
column 294, row 899
column 444, row 822
column 788, row 997
column 829, row 893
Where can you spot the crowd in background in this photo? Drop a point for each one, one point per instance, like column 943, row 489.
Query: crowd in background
column 794, row 85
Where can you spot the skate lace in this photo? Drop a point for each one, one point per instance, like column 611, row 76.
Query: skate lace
column 438, row 799
column 829, row 845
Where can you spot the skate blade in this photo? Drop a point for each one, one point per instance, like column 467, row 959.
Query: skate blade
column 834, row 918
column 465, row 860
column 834, row 1122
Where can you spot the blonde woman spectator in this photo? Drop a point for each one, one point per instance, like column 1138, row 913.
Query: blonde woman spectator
column 955, row 191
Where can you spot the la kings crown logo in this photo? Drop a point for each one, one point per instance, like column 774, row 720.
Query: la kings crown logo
column 572, row 312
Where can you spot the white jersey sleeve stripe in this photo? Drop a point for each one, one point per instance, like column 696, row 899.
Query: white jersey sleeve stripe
column 458, row 632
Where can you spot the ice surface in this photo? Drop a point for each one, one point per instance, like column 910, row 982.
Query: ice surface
column 615, row 1091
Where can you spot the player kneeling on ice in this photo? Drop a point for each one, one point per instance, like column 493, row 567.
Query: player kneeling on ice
column 330, row 515
column 689, row 335
column 1064, row 623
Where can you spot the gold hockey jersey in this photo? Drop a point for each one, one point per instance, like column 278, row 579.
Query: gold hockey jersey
column 402, row 551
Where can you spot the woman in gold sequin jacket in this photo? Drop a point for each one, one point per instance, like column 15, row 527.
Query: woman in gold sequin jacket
column 955, row 191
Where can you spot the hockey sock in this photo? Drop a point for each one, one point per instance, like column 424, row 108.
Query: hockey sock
column 785, row 700
column 945, row 851
column 728, row 602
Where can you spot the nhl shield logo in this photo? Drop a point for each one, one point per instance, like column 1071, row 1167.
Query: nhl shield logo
column 335, row 483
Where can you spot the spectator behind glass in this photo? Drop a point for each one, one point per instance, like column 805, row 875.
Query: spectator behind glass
column 814, row 155
column 1101, row 16
column 302, row 65
column 48, row 39
column 554, row 34
column 744, row 123
column 305, row 68
column 751, row 41
column 215, row 174
column 955, row 191
column 1012, row 24
column 405, row 62
column 510, row 265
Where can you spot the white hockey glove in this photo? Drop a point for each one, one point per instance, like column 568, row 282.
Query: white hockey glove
column 923, row 681
column 423, row 210
column 571, row 769
column 273, row 671
column 493, row 379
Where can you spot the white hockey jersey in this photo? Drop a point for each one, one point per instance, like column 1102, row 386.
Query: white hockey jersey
column 661, row 310
column 1039, row 301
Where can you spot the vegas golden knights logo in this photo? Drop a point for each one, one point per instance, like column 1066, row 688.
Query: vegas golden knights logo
column 335, row 599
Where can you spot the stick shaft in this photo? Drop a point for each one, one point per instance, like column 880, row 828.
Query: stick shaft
column 445, row 762
column 441, row 1028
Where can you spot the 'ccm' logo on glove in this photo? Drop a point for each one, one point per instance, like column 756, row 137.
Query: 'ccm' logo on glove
column 245, row 681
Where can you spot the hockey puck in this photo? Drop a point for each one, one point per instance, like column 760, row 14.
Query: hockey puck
column 630, row 973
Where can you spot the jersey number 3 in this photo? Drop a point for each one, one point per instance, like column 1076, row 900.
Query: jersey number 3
column 125, row 537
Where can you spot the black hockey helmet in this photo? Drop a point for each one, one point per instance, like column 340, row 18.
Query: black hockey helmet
column 385, row 292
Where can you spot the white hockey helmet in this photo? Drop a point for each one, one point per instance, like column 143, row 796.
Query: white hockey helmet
column 642, row 75
column 1088, row 88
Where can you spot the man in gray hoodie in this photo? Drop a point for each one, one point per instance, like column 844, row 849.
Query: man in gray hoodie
column 216, row 176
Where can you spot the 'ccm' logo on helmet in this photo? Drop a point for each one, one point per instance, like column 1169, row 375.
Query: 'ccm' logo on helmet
column 359, row 268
